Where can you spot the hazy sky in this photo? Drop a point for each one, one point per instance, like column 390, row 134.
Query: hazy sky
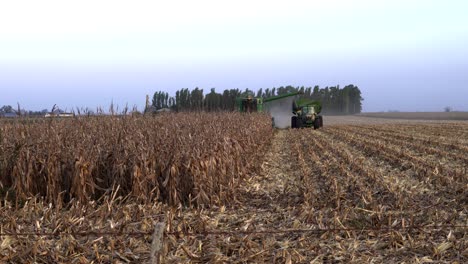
column 403, row 55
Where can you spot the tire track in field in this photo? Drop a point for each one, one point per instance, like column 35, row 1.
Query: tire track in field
column 432, row 145
column 279, row 183
column 421, row 182
column 454, row 165
column 427, row 170
column 404, row 188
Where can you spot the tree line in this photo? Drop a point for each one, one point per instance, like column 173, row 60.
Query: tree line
column 8, row 109
column 335, row 100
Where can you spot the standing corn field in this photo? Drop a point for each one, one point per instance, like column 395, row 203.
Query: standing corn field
column 232, row 190
column 181, row 158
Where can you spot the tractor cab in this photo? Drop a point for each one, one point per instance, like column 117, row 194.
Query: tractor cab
column 308, row 110
column 306, row 114
column 249, row 104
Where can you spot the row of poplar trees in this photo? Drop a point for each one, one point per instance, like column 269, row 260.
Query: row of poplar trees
column 335, row 100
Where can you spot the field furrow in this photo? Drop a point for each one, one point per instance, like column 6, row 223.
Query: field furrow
column 399, row 188
column 453, row 163
column 455, row 148
column 426, row 170
column 230, row 189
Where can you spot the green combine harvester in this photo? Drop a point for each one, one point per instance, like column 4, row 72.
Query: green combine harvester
column 306, row 112
column 249, row 103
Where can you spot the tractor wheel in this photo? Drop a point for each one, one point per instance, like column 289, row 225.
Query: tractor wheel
column 299, row 123
column 293, row 121
column 316, row 123
column 321, row 121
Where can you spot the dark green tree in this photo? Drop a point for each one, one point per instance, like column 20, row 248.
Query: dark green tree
column 335, row 100
column 6, row 109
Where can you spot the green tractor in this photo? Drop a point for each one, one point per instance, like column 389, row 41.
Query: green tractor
column 277, row 106
column 249, row 103
column 306, row 114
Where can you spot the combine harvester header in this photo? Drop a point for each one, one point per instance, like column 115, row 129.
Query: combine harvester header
column 279, row 107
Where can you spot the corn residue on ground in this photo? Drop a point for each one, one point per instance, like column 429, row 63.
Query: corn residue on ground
column 356, row 191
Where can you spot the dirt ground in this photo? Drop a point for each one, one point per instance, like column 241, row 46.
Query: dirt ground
column 420, row 115
column 368, row 120
column 356, row 172
column 284, row 197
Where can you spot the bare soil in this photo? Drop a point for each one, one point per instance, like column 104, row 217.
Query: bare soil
column 372, row 119
column 419, row 115
column 371, row 176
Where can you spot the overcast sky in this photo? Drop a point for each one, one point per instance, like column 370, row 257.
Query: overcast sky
column 403, row 55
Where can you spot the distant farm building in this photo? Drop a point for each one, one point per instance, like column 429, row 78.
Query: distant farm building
column 162, row 110
column 152, row 109
column 9, row 115
column 57, row 112
column 59, row 115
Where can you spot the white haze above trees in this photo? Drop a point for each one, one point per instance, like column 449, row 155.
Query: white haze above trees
column 403, row 55
column 334, row 100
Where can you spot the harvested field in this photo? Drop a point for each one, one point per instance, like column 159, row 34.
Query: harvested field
column 348, row 193
column 363, row 119
column 419, row 115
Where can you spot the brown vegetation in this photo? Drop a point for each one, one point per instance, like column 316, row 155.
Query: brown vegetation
column 420, row 115
column 347, row 193
column 180, row 158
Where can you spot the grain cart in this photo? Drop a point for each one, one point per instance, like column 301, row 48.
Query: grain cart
column 277, row 106
column 249, row 103
column 306, row 114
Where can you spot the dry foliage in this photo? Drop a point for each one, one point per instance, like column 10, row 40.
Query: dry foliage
column 389, row 176
column 420, row 115
column 356, row 177
column 175, row 158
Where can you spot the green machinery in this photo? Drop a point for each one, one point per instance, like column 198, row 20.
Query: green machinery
column 249, row 103
column 306, row 114
column 306, row 111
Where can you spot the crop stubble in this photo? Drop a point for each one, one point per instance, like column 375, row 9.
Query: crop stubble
column 347, row 176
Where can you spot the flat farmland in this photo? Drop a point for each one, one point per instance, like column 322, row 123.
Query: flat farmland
column 419, row 115
column 359, row 190
column 393, row 118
